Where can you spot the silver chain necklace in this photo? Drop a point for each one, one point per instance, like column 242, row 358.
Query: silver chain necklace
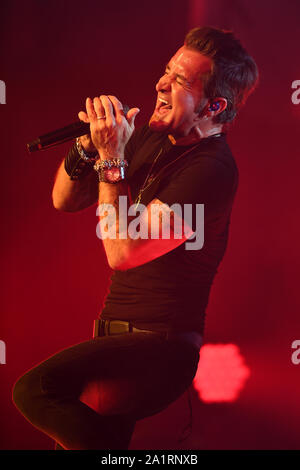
column 149, row 179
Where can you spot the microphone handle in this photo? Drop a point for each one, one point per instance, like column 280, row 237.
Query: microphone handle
column 62, row 135
column 59, row 136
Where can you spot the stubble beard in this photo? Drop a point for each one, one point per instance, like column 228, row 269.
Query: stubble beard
column 157, row 124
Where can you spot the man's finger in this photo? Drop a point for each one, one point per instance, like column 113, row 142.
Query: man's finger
column 117, row 107
column 108, row 110
column 99, row 110
column 90, row 110
column 131, row 115
column 83, row 117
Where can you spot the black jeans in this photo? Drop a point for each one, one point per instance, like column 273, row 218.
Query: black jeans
column 133, row 376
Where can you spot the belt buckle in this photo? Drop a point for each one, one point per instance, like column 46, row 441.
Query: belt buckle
column 110, row 327
column 116, row 327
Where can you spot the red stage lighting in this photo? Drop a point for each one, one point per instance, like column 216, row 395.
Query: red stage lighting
column 221, row 373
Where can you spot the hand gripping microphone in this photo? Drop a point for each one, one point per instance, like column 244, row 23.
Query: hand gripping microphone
column 62, row 135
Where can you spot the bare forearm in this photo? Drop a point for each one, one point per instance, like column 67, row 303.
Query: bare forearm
column 125, row 246
column 74, row 195
column 117, row 245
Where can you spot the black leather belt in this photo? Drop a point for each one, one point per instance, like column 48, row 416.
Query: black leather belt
column 119, row 327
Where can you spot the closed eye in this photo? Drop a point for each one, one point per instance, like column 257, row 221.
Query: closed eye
column 179, row 78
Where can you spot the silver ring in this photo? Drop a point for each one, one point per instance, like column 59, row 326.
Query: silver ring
column 101, row 117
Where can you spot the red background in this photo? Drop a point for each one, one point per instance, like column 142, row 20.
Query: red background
column 54, row 274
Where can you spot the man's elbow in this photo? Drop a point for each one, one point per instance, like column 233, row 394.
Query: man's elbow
column 56, row 203
column 63, row 204
column 120, row 260
column 118, row 264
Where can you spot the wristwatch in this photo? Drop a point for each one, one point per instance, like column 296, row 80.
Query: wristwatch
column 111, row 171
column 112, row 175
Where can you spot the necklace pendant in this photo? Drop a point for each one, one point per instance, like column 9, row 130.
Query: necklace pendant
column 137, row 201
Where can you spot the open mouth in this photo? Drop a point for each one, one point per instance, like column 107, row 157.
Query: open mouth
column 163, row 106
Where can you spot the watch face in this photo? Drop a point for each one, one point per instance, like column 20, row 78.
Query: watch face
column 113, row 174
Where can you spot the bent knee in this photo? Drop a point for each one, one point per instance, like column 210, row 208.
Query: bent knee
column 23, row 391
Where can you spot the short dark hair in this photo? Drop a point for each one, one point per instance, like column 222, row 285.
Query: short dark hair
column 234, row 73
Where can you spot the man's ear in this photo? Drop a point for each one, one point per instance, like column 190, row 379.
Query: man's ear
column 211, row 108
column 215, row 106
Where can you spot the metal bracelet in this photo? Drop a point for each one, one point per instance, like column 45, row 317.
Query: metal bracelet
column 86, row 156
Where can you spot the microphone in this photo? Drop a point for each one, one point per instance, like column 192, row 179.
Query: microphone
column 62, row 135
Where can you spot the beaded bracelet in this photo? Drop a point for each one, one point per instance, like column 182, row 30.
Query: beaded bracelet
column 114, row 162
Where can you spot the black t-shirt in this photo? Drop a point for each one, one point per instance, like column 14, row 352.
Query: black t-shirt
column 171, row 292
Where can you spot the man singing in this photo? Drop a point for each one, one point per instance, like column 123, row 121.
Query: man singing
column 146, row 343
